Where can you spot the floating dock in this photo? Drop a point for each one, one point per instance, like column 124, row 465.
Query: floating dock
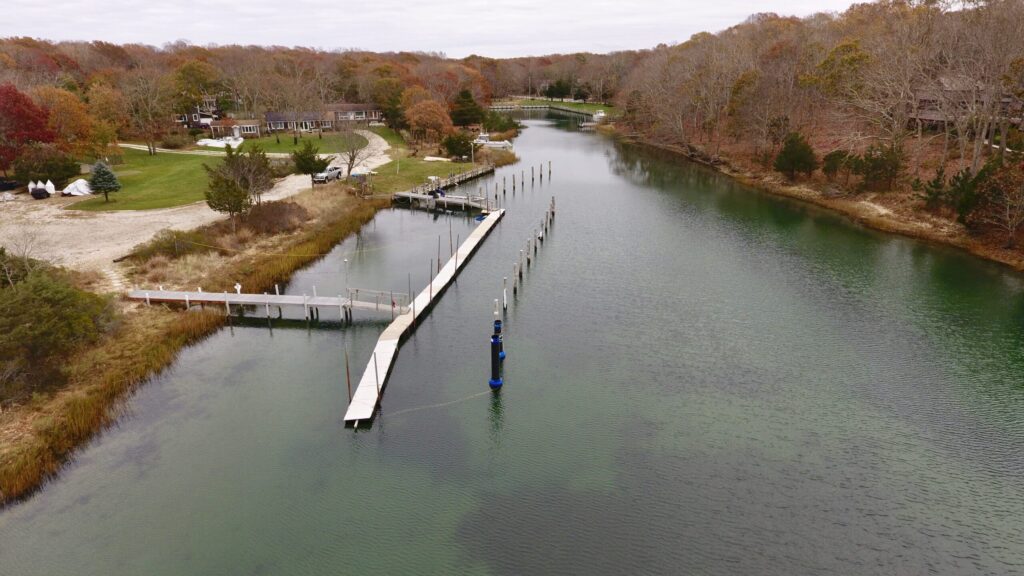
column 371, row 385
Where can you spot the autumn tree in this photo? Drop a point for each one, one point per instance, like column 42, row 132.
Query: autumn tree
column 148, row 97
column 196, row 84
column 22, row 123
column 1004, row 195
column 68, row 119
column 237, row 183
column 353, row 150
column 429, row 120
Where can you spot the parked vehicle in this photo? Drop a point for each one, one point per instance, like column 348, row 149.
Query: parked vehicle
column 332, row 173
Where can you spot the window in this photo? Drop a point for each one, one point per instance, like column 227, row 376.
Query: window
column 278, row 125
column 359, row 115
column 248, row 129
column 195, row 117
column 325, row 124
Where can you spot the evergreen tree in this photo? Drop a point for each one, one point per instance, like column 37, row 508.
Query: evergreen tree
column 307, row 160
column 104, row 180
column 796, row 156
column 226, row 192
column 465, row 110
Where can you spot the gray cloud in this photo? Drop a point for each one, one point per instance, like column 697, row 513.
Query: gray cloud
column 497, row 28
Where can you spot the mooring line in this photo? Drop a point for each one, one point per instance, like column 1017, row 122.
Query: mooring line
column 441, row 405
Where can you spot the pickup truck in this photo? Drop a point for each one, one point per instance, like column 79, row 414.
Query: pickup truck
column 332, row 173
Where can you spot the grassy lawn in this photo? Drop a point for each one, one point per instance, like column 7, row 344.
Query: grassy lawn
column 583, row 107
column 393, row 138
column 331, row 142
column 159, row 181
column 411, row 172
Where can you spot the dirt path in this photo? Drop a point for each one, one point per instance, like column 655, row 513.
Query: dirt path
column 93, row 240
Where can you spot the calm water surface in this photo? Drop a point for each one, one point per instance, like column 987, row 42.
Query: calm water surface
column 701, row 380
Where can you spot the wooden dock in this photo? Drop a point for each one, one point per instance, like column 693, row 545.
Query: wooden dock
column 420, row 195
column 368, row 393
column 356, row 299
column 511, row 107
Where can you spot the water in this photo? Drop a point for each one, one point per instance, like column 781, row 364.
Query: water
column 701, row 380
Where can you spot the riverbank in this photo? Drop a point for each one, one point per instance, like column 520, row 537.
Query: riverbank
column 37, row 438
column 886, row 212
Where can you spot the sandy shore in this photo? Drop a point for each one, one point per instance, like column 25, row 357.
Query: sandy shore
column 93, row 240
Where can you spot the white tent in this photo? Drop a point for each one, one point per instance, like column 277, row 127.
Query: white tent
column 50, row 187
column 79, row 187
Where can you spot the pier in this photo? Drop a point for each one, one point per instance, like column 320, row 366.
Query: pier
column 368, row 393
column 356, row 299
column 420, row 196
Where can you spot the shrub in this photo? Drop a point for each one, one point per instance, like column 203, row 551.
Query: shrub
column 43, row 162
column 835, row 162
column 796, row 156
column 173, row 244
column 498, row 122
column 458, row 144
column 276, row 217
column 879, row 167
column 174, row 141
column 45, row 317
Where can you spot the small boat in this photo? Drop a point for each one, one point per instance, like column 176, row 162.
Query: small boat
column 484, row 140
column 599, row 115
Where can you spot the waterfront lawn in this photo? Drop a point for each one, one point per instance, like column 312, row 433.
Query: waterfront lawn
column 584, row 107
column 332, row 142
column 411, row 173
column 159, row 181
column 393, row 138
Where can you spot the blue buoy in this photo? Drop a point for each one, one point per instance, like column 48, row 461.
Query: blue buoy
column 495, row 381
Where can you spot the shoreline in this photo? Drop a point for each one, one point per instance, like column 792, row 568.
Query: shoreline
column 859, row 211
column 103, row 378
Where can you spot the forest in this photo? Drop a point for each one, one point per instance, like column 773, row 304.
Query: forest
column 921, row 98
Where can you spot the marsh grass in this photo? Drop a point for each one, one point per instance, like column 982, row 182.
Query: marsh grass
column 148, row 340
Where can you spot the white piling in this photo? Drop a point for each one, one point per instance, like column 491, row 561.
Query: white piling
column 147, row 299
column 504, row 293
column 227, row 306
column 266, row 303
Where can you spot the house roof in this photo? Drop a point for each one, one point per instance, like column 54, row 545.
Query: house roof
column 288, row 117
column 235, row 122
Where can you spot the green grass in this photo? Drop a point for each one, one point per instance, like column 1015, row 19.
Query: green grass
column 411, row 172
column 148, row 182
column 584, row 107
column 393, row 138
column 329, row 144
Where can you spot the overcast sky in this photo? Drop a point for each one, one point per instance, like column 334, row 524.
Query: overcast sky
column 498, row 28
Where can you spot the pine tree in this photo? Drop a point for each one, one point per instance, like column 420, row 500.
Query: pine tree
column 465, row 110
column 104, row 180
column 308, row 161
column 796, row 156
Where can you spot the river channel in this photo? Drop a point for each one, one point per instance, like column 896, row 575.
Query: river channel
column 701, row 379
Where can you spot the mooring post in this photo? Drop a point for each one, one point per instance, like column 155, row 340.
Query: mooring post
column 186, row 302
column 277, row 290
column 495, row 381
column 497, row 330
column 392, row 294
column 147, row 299
column 376, row 376
column 535, row 240
column 266, row 302
column 348, row 376
column 504, row 293
column 305, row 306
column 341, row 311
column 532, row 175
column 504, row 187
column 227, row 306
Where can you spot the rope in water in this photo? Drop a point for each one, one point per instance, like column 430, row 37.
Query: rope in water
column 442, row 404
